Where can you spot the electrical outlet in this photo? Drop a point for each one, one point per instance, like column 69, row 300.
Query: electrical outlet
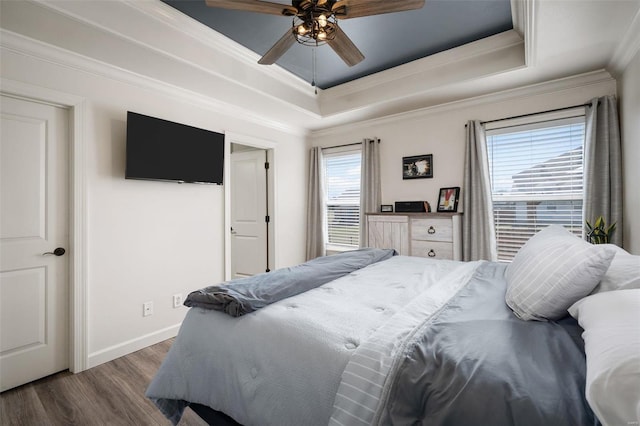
column 177, row 300
column 147, row 309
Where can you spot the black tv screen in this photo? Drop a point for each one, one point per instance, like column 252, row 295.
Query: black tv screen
column 163, row 150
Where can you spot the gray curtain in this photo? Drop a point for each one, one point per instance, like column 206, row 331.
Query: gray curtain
column 370, row 188
column 478, row 229
column 603, row 165
column 315, row 206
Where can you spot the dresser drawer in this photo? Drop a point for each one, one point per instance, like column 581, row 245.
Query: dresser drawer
column 417, row 234
column 432, row 249
column 432, row 229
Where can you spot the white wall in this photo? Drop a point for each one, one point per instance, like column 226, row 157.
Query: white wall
column 440, row 131
column 149, row 240
column 630, row 121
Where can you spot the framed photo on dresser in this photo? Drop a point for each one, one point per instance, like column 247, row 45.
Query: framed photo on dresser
column 448, row 199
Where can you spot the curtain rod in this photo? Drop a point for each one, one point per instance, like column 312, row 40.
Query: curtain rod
column 534, row 113
column 351, row 144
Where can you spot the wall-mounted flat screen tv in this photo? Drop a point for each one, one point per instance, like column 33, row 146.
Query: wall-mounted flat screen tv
column 163, row 150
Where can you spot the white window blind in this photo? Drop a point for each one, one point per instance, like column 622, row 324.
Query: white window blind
column 536, row 179
column 342, row 185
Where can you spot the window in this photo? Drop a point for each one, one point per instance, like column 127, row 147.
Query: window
column 536, row 179
column 342, row 186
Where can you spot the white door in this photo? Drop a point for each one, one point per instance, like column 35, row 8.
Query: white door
column 248, row 213
column 33, row 221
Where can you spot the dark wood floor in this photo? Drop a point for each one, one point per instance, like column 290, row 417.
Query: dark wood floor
column 109, row 394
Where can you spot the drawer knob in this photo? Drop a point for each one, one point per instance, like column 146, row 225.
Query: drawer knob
column 431, row 230
column 431, row 253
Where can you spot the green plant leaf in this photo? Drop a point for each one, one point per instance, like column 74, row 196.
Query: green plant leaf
column 599, row 222
column 598, row 232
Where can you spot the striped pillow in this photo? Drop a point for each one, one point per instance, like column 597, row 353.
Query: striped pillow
column 552, row 271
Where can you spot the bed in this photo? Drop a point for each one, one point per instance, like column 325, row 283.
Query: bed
column 402, row 340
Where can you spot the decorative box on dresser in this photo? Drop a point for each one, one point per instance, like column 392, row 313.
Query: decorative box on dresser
column 436, row 235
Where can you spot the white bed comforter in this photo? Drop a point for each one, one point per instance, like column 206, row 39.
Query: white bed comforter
column 283, row 364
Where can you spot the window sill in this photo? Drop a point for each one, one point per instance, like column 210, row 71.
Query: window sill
column 335, row 249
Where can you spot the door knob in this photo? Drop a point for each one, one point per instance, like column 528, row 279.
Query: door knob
column 57, row 252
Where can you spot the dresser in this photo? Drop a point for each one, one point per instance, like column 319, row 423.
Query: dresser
column 435, row 235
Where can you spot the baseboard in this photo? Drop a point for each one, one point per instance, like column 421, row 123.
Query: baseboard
column 124, row 348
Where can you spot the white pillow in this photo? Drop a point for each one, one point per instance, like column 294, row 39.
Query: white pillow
column 553, row 270
column 611, row 323
column 623, row 273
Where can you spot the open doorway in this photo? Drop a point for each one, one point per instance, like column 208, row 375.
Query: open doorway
column 249, row 209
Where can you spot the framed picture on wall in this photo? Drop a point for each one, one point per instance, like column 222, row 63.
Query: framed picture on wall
column 448, row 199
column 417, row 167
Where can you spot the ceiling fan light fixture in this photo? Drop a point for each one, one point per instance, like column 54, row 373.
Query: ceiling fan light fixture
column 314, row 28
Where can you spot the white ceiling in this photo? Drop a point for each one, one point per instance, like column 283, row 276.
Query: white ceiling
column 552, row 39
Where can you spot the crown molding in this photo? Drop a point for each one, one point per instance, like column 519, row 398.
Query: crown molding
column 172, row 17
column 523, row 33
column 489, row 56
column 628, row 47
column 287, row 101
column 164, row 25
column 165, row 31
column 523, row 13
column 25, row 46
column 553, row 86
column 475, row 49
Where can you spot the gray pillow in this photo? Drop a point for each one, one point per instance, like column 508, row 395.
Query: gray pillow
column 552, row 271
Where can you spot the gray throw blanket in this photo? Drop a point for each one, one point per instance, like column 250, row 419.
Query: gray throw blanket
column 243, row 295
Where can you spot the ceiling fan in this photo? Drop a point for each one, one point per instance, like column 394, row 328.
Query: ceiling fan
column 315, row 22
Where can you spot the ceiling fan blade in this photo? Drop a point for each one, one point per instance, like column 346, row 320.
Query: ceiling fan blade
column 344, row 47
column 254, row 6
column 345, row 9
column 278, row 49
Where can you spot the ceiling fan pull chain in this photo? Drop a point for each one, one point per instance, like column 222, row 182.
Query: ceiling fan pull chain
column 313, row 67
